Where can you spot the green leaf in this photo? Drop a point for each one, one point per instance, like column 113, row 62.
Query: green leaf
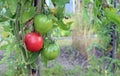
column 12, row 4
column 5, row 14
column 33, row 57
column 88, row 1
column 3, row 47
column 5, row 26
column 60, row 6
column 60, row 13
column 60, row 2
column 28, row 14
column 7, row 51
column 63, row 26
column 112, row 15
column 44, row 60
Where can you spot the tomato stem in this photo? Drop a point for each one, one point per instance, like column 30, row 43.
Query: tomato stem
column 17, row 27
column 8, row 18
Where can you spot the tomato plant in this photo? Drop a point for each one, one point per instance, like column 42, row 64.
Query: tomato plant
column 33, row 41
column 30, row 22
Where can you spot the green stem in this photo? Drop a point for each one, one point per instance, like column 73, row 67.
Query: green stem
column 17, row 28
column 8, row 18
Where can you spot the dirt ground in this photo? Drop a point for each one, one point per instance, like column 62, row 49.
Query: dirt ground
column 70, row 58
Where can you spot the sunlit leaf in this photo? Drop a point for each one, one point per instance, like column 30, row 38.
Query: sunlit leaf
column 112, row 15
column 3, row 46
column 60, row 6
column 63, row 26
column 60, row 1
column 88, row 1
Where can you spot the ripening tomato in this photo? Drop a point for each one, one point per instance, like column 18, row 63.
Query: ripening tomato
column 50, row 52
column 33, row 41
column 42, row 23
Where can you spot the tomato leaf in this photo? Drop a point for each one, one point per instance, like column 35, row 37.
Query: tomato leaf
column 60, row 13
column 6, row 47
column 63, row 26
column 33, row 57
column 88, row 1
column 60, row 6
column 5, row 13
column 60, row 2
column 44, row 60
column 12, row 5
column 3, row 47
column 28, row 14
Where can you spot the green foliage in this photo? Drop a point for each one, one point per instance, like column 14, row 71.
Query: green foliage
column 6, row 41
column 88, row 1
column 20, row 12
column 57, row 32
column 5, row 14
column 28, row 14
column 60, row 2
column 55, row 70
column 112, row 15
column 32, row 57
column 16, row 17
column 12, row 5
column 60, row 6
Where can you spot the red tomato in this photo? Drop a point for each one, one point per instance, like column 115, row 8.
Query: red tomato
column 33, row 41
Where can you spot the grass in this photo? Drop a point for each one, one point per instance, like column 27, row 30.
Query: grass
column 58, row 70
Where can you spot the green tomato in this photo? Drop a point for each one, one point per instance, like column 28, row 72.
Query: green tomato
column 51, row 52
column 42, row 23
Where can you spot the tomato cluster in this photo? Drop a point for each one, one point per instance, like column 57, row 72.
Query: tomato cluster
column 35, row 42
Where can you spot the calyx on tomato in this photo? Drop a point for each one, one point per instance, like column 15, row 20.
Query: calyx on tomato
column 42, row 23
column 51, row 51
column 33, row 41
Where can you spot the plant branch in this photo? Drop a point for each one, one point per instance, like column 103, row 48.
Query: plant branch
column 39, row 5
column 8, row 18
column 17, row 29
